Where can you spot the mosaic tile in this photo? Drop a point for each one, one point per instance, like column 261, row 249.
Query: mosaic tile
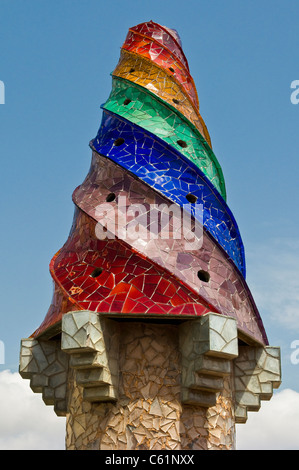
column 167, row 37
column 226, row 288
column 149, row 413
column 147, row 74
column 161, row 167
column 148, row 47
column 155, row 141
column 140, row 106
column 106, row 276
column 152, row 339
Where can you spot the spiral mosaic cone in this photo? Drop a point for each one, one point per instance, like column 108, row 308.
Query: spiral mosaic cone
column 152, row 149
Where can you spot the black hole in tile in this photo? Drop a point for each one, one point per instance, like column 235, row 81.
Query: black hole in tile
column 203, row 275
column 171, row 69
column 176, row 101
column 110, row 197
column 119, row 142
column 182, row 143
column 96, row 272
column 191, row 198
column 131, row 70
column 127, row 101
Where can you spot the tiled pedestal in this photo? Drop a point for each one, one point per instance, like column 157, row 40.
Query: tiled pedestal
column 139, row 384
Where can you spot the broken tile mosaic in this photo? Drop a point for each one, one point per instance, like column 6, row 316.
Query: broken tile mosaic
column 163, row 168
column 140, row 106
column 152, row 339
column 144, row 72
column 153, row 145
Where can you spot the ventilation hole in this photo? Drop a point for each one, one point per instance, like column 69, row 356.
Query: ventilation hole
column 119, row 142
column 171, row 69
column 96, row 272
column 176, row 101
column 131, row 70
column 127, row 101
column 182, row 143
column 203, row 275
column 110, row 197
column 191, row 198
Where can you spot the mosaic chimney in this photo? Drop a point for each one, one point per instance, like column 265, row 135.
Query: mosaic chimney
column 153, row 340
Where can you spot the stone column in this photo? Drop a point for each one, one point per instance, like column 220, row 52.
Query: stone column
column 124, row 384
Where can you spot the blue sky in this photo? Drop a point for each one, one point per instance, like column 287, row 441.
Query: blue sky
column 55, row 61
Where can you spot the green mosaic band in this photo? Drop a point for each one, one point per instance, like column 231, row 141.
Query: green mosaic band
column 139, row 106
